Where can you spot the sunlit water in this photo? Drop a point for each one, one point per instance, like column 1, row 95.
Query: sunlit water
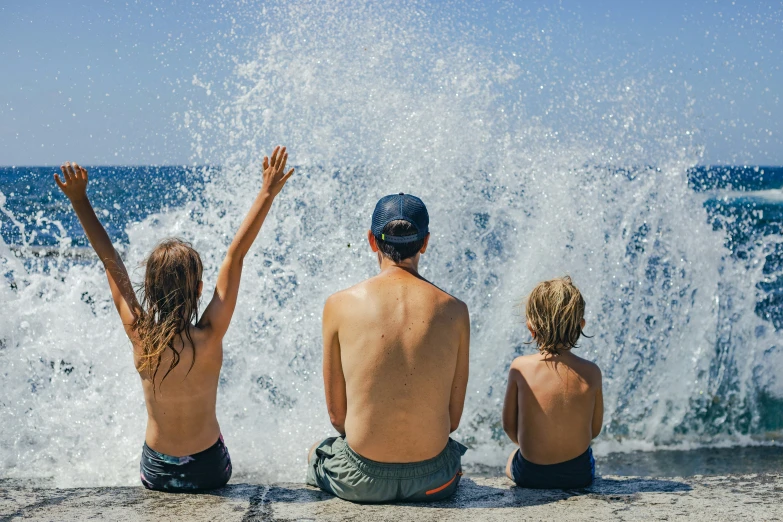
column 373, row 100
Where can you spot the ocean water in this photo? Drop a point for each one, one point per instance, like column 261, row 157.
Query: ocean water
column 680, row 264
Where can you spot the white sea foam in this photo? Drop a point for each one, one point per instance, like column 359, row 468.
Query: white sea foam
column 372, row 100
column 770, row 195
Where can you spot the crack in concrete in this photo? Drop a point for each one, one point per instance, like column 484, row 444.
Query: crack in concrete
column 259, row 510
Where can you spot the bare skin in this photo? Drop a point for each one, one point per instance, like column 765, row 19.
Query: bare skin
column 181, row 417
column 553, row 406
column 395, row 363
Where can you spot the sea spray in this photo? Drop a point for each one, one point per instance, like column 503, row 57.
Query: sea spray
column 374, row 99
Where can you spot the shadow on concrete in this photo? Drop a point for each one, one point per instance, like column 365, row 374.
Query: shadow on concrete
column 297, row 494
column 633, row 485
column 471, row 495
column 258, row 493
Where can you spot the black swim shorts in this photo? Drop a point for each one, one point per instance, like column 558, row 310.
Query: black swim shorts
column 208, row 469
column 575, row 473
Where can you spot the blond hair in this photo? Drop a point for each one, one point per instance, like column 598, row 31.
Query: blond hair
column 554, row 311
column 170, row 297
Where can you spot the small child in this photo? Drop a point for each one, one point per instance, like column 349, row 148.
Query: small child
column 553, row 406
column 178, row 361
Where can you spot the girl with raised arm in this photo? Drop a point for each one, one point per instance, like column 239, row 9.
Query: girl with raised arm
column 177, row 354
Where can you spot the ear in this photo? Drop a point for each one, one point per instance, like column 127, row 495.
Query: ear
column 200, row 287
column 426, row 242
column 371, row 240
column 530, row 327
column 582, row 324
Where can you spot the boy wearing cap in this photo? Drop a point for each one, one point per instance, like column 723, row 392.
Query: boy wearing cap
column 395, row 373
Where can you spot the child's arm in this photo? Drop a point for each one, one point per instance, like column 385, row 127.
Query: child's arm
column 74, row 187
column 598, row 410
column 217, row 315
column 510, row 406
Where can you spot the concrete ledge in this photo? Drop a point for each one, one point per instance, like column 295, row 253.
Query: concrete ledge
column 727, row 497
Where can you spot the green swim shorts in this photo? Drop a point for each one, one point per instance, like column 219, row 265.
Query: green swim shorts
column 337, row 469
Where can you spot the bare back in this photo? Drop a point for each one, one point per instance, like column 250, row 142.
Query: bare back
column 399, row 340
column 559, row 407
column 181, row 416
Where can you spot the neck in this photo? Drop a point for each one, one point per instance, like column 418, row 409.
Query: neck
column 410, row 265
column 561, row 352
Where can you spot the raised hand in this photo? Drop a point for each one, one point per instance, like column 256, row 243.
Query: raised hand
column 274, row 171
column 217, row 315
column 75, row 184
column 75, row 187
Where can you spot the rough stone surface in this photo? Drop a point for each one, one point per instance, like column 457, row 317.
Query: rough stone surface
column 727, row 497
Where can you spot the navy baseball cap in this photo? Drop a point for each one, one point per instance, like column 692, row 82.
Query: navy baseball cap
column 400, row 207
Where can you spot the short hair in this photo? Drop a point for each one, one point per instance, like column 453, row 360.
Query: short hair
column 555, row 310
column 399, row 251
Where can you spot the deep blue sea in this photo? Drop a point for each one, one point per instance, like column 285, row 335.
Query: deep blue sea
column 120, row 195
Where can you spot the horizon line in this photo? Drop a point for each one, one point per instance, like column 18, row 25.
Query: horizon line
column 180, row 165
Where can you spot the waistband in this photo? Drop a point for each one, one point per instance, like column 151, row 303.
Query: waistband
column 187, row 458
column 568, row 464
column 451, row 453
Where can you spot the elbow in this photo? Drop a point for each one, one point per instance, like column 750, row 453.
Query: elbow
column 234, row 256
column 454, row 419
column 338, row 421
column 511, row 430
column 109, row 258
column 596, row 428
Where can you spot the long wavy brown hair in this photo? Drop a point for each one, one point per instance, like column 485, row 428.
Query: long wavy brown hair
column 170, row 298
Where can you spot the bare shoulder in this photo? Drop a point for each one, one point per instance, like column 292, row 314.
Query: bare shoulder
column 348, row 294
column 204, row 342
column 344, row 299
column 450, row 309
column 590, row 371
column 444, row 300
column 525, row 361
column 459, row 307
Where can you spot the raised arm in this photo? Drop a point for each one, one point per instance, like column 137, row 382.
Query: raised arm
column 74, row 186
column 459, row 385
column 217, row 315
column 334, row 379
column 511, row 406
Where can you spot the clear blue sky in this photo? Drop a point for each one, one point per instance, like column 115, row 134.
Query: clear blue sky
column 102, row 81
